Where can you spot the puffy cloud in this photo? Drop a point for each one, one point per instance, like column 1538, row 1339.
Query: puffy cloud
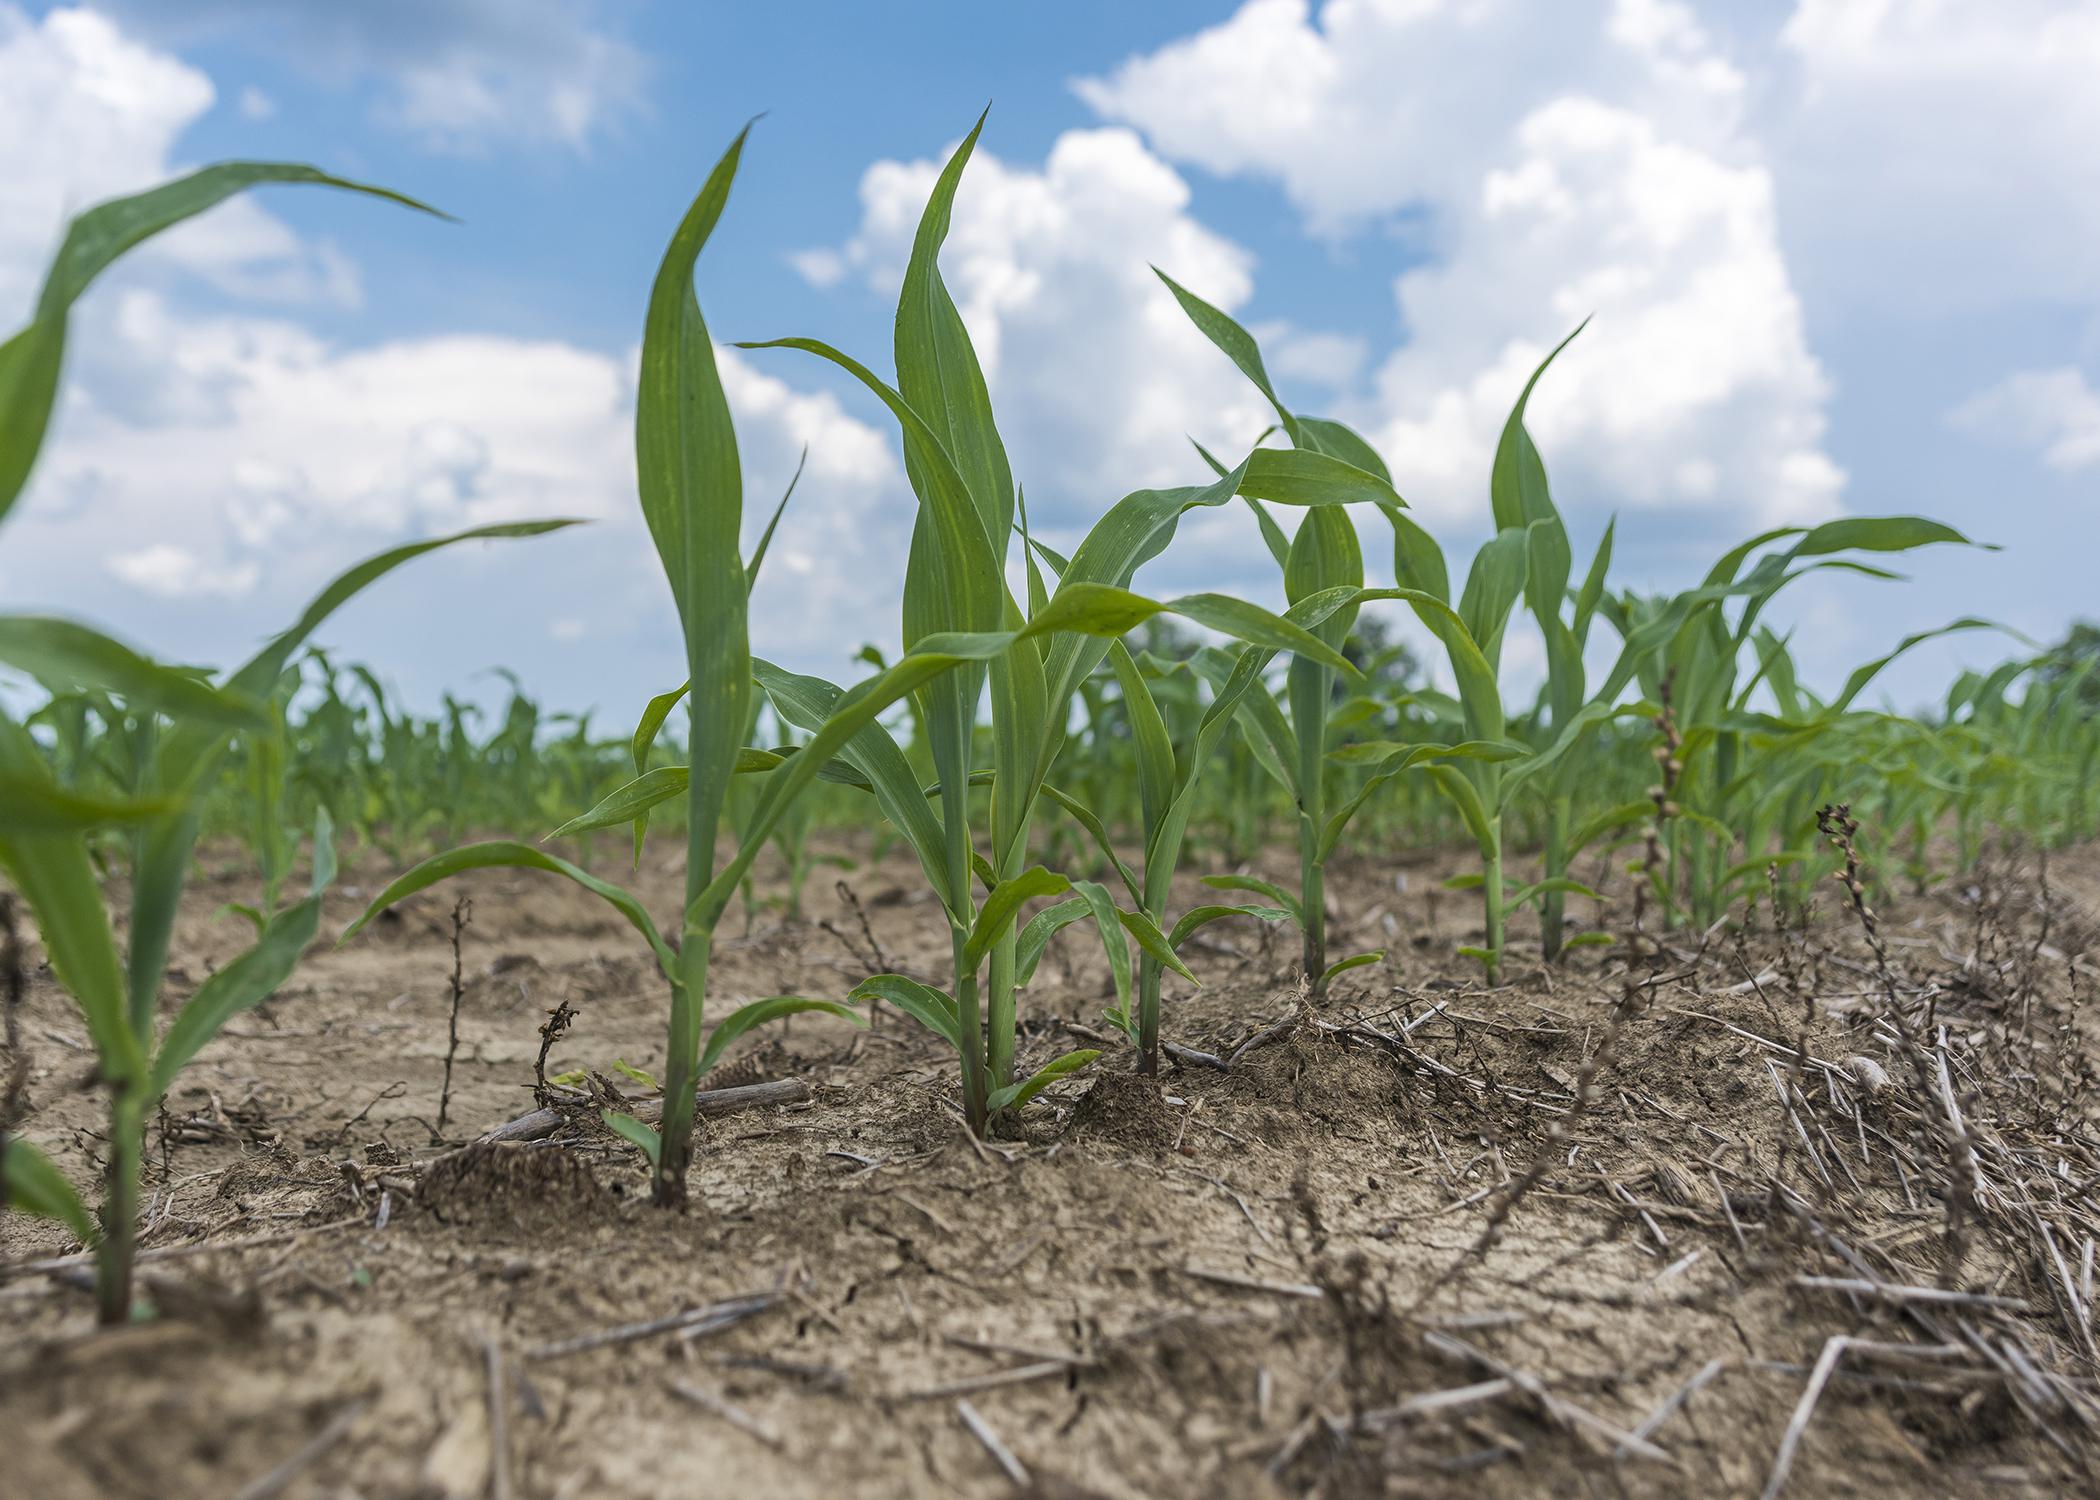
column 172, row 572
column 2054, row 412
column 269, row 457
column 1098, row 377
column 1585, row 159
column 205, row 472
column 463, row 75
column 1939, row 153
column 93, row 113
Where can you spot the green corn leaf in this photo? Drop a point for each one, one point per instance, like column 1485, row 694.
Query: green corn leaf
column 1586, row 718
column 30, row 361
column 1517, row 485
column 632, row 802
column 1108, row 922
column 1525, row 895
column 1258, row 887
column 1354, row 961
column 1343, row 442
column 765, row 539
column 1418, row 562
column 65, row 656
column 764, row 1013
column 1014, row 1095
column 504, row 854
column 1164, row 839
column 1198, row 917
column 691, row 488
column 1036, row 935
column 654, row 713
column 1234, row 341
column 806, row 702
column 193, row 752
column 1306, row 476
column 1155, row 748
column 1081, row 814
column 937, row 370
column 1404, row 759
column 57, row 880
column 37, row 805
column 1002, row 906
column 1466, row 798
column 29, row 1181
column 1154, row 943
column 1879, row 534
column 931, row 1008
column 1591, row 593
column 1862, row 675
column 635, row 1133
column 1493, row 587
column 1272, row 535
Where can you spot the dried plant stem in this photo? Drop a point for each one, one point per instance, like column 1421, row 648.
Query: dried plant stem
column 462, row 914
column 1934, row 1083
column 11, row 983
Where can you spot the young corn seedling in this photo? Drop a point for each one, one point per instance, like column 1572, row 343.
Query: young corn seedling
column 691, row 492
column 1522, row 500
column 1729, row 815
column 1323, row 557
column 955, row 582
column 1295, row 749
column 185, row 729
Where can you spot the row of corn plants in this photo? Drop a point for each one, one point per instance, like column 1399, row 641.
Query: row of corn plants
column 1052, row 758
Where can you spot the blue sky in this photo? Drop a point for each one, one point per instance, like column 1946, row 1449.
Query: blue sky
column 1838, row 256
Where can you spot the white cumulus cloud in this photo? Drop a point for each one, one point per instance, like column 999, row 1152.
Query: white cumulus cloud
column 2056, row 413
column 1558, row 163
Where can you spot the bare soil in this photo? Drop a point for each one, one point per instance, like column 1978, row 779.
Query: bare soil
column 1387, row 1252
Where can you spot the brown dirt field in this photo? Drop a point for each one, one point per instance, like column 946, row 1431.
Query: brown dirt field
column 1240, row 1283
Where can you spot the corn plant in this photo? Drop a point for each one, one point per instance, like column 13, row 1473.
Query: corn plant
column 969, row 510
column 184, row 726
column 1324, row 555
column 1726, row 829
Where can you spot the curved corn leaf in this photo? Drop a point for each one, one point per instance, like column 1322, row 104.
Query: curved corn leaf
column 1395, row 765
column 192, row 752
column 1108, row 922
column 635, row 1133
column 30, row 361
column 931, row 1008
column 1517, row 483
column 1198, row 917
column 504, row 854
column 31, row 1182
column 37, row 804
column 1275, row 893
column 1307, row 476
column 1002, row 905
column 1014, row 1095
column 1041, row 927
column 806, row 702
column 64, row 655
column 762, row 1013
column 57, row 880
column 1354, row 961
column 1154, row 943
column 1081, row 814
column 1525, row 895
